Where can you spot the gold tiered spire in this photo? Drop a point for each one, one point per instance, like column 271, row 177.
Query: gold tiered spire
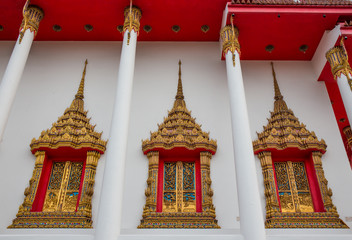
column 284, row 130
column 73, row 128
column 179, row 128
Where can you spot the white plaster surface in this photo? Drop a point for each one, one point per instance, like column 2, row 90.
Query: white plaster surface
column 51, row 79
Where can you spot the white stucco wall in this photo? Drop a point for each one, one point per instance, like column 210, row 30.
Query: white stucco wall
column 51, row 79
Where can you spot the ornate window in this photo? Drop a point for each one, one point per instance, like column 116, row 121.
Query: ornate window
column 296, row 191
column 178, row 186
column 61, row 188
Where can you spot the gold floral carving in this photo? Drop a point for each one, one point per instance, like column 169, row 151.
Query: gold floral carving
column 179, row 129
column 229, row 36
column 348, row 133
column 132, row 20
column 338, row 59
column 285, row 131
column 32, row 15
column 71, row 130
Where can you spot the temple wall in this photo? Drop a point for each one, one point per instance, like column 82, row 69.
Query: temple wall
column 51, row 79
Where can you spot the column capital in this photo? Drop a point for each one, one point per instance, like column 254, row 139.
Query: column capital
column 132, row 19
column 229, row 36
column 338, row 59
column 32, row 15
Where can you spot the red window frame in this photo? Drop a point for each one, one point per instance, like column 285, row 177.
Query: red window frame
column 39, row 199
column 159, row 205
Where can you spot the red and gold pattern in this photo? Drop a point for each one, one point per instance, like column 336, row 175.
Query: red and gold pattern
column 296, row 191
column 178, row 186
column 61, row 188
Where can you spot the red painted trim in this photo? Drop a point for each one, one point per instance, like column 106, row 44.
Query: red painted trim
column 314, row 186
column 39, row 199
column 81, row 184
column 159, row 201
column 312, row 181
column 289, row 9
column 198, row 186
column 38, row 202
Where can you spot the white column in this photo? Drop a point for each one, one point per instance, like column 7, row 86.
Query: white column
column 15, row 67
column 251, row 214
column 346, row 94
column 110, row 205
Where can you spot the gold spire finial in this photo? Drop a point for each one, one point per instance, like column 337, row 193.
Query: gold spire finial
column 278, row 95
column 80, row 91
column 179, row 94
column 279, row 104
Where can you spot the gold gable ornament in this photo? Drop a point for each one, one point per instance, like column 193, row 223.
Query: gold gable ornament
column 290, row 157
column 60, row 191
column 179, row 193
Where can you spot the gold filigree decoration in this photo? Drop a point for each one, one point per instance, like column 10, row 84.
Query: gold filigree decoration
column 59, row 211
column 229, row 36
column 284, row 130
column 289, row 185
column 132, row 20
column 338, row 59
column 73, row 129
column 32, row 15
column 179, row 129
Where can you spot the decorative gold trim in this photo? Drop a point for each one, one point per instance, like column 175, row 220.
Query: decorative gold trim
column 229, row 36
column 285, row 131
column 71, row 130
column 179, row 128
column 348, row 133
column 152, row 183
column 32, row 15
column 338, row 59
column 132, row 20
column 207, row 192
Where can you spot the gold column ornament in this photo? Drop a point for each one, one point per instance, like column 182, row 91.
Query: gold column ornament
column 348, row 133
column 132, row 20
column 289, row 202
column 272, row 204
column 32, row 15
column 31, row 190
column 338, row 59
column 152, row 183
column 85, row 202
column 229, row 36
column 64, row 199
column 207, row 192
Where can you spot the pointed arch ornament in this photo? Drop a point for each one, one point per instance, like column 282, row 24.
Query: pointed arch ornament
column 179, row 193
column 295, row 188
column 61, row 188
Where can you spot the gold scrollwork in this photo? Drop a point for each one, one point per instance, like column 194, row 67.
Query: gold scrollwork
column 73, row 130
column 32, row 15
column 338, row 59
column 132, row 20
column 229, row 36
column 289, row 186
